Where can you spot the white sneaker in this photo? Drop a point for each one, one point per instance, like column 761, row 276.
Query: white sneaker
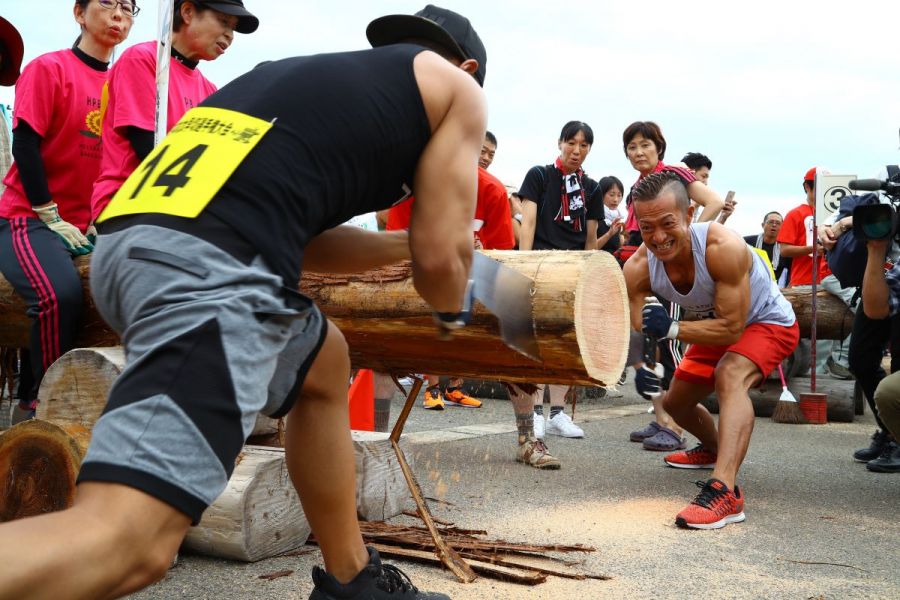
column 538, row 426
column 562, row 425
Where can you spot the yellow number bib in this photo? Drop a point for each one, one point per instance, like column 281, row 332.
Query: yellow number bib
column 181, row 175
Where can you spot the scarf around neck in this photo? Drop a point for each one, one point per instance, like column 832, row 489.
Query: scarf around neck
column 776, row 250
column 571, row 201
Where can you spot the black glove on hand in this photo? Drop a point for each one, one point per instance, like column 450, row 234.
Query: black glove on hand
column 647, row 383
column 656, row 321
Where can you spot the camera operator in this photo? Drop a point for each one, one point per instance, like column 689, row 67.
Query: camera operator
column 881, row 300
column 874, row 328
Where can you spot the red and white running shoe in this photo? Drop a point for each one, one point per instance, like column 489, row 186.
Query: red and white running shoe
column 714, row 507
column 697, row 457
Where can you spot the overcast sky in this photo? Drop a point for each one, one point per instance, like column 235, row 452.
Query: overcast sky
column 766, row 89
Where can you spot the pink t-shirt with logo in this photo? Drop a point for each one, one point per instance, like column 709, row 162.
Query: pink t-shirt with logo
column 59, row 97
column 132, row 103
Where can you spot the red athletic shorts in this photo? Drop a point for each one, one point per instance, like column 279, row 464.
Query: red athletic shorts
column 765, row 344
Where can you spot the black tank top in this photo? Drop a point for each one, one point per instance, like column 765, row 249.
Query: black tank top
column 349, row 130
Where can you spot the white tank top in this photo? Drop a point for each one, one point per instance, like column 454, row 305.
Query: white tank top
column 767, row 304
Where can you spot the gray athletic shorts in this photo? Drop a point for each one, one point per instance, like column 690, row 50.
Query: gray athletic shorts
column 209, row 342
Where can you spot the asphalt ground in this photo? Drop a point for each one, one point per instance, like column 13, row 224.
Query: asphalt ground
column 819, row 525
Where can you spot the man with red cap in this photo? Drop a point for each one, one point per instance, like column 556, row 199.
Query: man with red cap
column 797, row 237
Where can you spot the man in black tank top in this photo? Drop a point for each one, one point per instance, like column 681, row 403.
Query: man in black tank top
column 203, row 247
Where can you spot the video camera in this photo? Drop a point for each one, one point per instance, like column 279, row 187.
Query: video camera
column 877, row 221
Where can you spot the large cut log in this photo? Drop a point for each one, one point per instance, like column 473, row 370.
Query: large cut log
column 839, row 397
column 257, row 516
column 381, row 490
column 39, row 462
column 75, row 388
column 834, row 320
column 579, row 312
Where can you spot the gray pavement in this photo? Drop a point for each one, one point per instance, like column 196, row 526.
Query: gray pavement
column 807, row 502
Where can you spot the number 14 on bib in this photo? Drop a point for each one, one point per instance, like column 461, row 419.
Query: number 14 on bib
column 183, row 174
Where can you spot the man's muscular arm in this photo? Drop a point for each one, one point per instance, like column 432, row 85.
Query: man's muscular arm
column 349, row 249
column 446, row 181
column 637, row 282
column 729, row 261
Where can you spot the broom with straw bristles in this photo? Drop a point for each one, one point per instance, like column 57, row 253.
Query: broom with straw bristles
column 787, row 409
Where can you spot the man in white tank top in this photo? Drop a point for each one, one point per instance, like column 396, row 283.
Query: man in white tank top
column 744, row 328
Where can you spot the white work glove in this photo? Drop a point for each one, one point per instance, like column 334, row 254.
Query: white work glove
column 73, row 239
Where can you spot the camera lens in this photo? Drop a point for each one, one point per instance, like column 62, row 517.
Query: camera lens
column 877, row 224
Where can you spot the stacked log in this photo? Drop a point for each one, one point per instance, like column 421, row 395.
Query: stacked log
column 75, row 388
column 579, row 311
column 840, row 397
column 257, row 516
column 40, row 463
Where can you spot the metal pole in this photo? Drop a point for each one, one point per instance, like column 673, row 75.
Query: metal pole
column 163, row 56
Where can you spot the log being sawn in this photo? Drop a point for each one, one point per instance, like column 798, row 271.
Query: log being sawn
column 579, row 304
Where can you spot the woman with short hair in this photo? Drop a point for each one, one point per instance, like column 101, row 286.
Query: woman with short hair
column 561, row 208
column 201, row 30
column 645, row 147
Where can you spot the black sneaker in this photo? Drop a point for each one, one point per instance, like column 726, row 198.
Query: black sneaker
column 888, row 462
column 376, row 581
column 880, row 439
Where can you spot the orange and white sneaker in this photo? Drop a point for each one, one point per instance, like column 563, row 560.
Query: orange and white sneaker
column 456, row 397
column 697, row 457
column 434, row 399
column 714, row 507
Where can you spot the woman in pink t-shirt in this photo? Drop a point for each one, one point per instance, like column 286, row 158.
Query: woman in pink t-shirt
column 200, row 31
column 645, row 148
column 45, row 209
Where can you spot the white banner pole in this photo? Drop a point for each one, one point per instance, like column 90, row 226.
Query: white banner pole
column 163, row 56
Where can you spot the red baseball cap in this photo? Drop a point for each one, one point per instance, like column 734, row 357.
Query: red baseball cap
column 810, row 175
column 11, row 45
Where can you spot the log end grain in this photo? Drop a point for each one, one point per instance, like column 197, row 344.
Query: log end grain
column 602, row 319
column 39, row 463
column 76, row 386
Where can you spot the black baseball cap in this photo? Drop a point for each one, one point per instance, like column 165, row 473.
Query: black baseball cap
column 247, row 22
column 447, row 28
column 12, row 48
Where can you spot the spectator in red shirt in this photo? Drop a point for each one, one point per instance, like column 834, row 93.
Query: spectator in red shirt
column 797, row 237
column 492, row 230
